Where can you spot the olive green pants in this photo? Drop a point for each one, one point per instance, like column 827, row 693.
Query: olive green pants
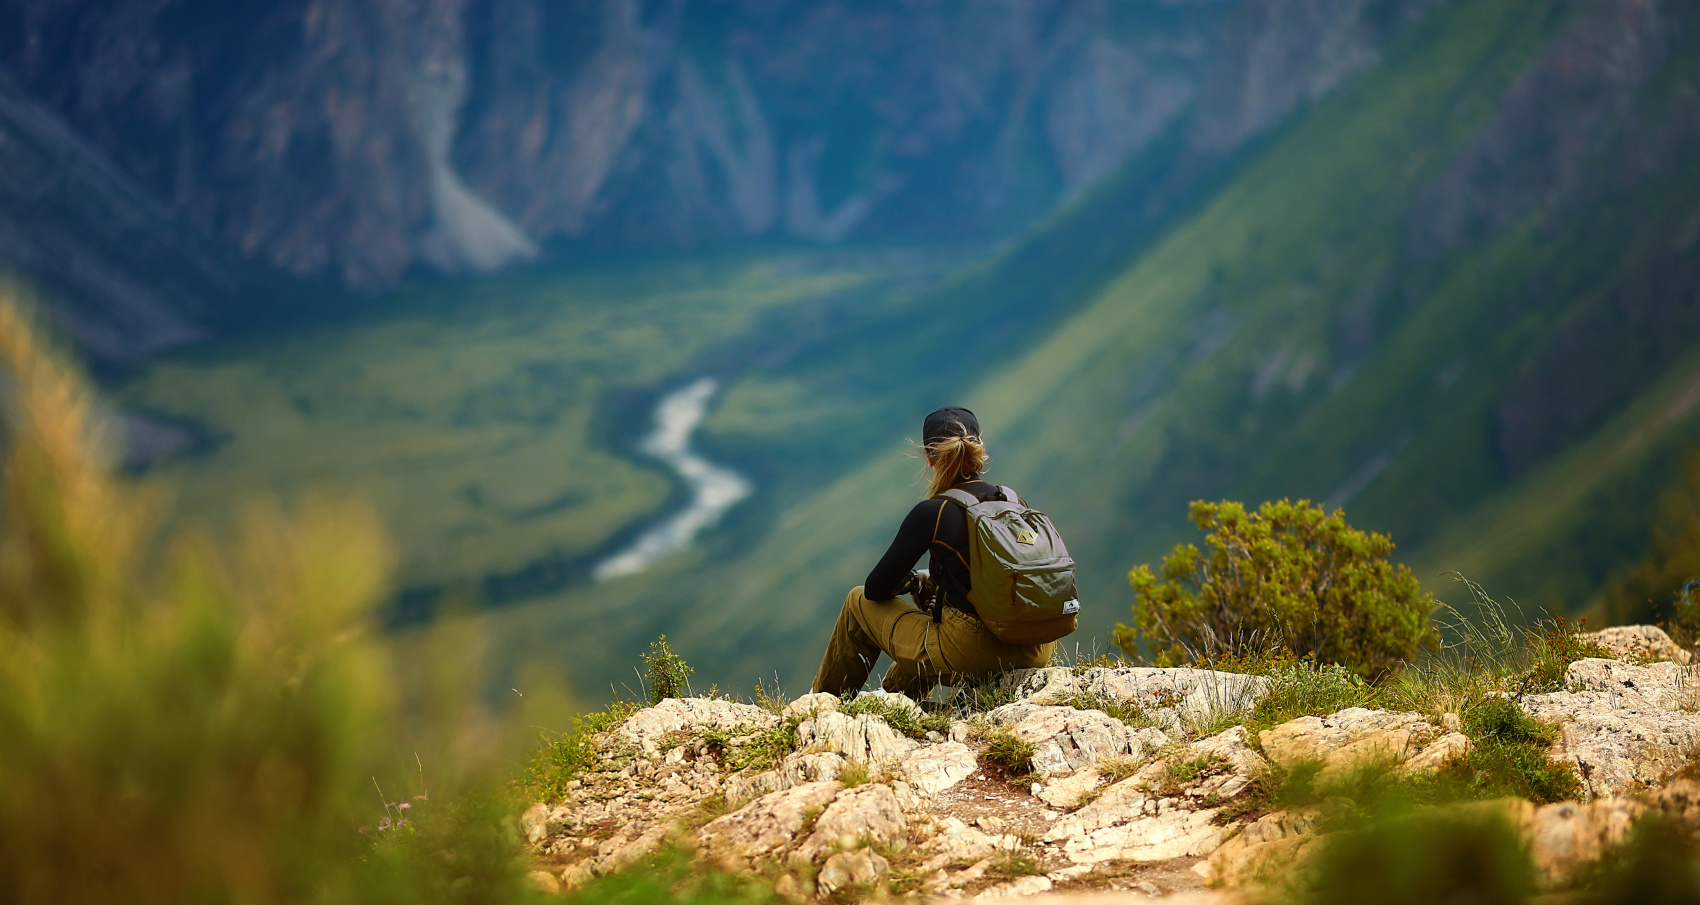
column 956, row 651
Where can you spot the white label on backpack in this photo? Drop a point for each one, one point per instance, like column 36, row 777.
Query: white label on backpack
column 1072, row 606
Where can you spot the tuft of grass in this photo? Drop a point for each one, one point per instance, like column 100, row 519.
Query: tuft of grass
column 1509, row 757
column 904, row 720
column 1305, row 688
column 1010, row 752
column 1115, row 769
column 854, row 774
column 1014, row 863
column 1179, row 772
column 665, row 673
column 1122, row 709
column 1553, row 646
column 750, row 748
column 773, row 701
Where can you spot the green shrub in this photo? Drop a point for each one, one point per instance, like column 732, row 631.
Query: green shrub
column 1289, row 574
column 665, row 673
column 1508, row 757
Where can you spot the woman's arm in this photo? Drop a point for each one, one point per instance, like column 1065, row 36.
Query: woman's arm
column 895, row 572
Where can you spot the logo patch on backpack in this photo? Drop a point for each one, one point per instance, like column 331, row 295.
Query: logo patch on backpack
column 1027, row 536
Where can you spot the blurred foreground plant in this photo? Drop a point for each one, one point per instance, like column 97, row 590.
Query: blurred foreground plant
column 190, row 718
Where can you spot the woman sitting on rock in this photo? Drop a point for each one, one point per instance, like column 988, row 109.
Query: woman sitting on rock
column 952, row 645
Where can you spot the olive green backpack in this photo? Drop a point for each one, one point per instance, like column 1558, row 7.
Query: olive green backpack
column 1021, row 578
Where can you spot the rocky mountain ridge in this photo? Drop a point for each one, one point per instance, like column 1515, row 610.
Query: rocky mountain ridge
column 873, row 794
column 354, row 139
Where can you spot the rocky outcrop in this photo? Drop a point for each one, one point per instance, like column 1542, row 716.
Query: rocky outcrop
column 1174, row 699
column 864, row 738
column 857, row 805
column 1356, row 737
column 1641, row 643
column 1624, row 727
column 1066, row 739
column 649, row 727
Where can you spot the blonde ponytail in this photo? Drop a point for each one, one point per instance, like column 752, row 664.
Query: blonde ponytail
column 955, row 458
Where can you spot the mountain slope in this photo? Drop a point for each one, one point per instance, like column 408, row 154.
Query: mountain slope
column 1326, row 327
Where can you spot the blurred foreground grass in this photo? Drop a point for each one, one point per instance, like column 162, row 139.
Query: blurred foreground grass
column 187, row 717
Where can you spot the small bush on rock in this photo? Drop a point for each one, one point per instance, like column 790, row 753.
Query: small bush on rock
column 1290, row 573
column 666, row 674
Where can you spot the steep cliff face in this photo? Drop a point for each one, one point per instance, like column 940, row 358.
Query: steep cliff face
column 124, row 278
column 353, row 139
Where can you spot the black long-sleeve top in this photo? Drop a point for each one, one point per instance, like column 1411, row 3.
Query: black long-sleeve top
column 939, row 527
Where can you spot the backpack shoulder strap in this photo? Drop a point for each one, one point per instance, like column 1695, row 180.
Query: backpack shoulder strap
column 1010, row 495
column 963, row 497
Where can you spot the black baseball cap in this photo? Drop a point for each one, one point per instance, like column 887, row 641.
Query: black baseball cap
column 950, row 421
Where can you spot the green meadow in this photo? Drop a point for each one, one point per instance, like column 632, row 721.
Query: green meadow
column 485, row 420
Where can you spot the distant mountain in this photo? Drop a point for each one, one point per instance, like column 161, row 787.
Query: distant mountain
column 353, row 139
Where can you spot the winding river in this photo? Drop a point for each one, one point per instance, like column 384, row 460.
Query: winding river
column 713, row 489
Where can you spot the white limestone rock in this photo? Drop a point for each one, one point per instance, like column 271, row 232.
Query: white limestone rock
column 1065, row 739
column 1438, row 754
column 1175, row 698
column 864, row 739
column 866, row 814
column 1644, row 643
column 649, row 726
column 1071, row 791
column 810, row 704
column 1348, row 739
column 1271, row 839
column 957, row 842
column 1237, row 765
column 1015, row 889
column 862, row 866
column 769, row 822
column 934, row 768
column 1174, row 833
column 1622, row 726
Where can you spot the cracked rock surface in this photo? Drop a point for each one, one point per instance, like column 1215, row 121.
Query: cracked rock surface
column 847, row 802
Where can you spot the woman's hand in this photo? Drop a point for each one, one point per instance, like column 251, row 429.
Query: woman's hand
column 924, row 590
